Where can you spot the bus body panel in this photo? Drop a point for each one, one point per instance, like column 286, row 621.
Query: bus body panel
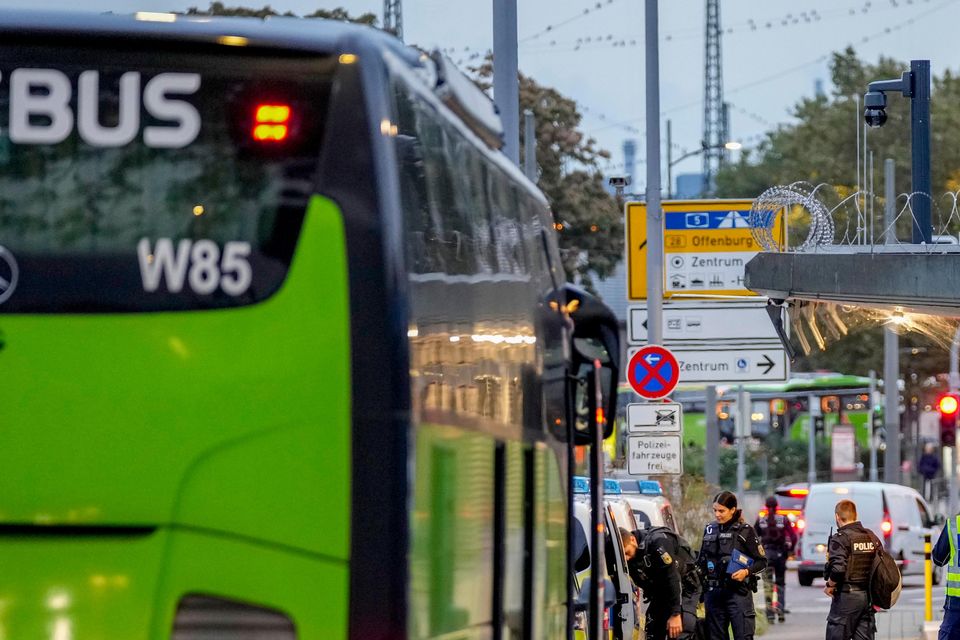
column 191, row 418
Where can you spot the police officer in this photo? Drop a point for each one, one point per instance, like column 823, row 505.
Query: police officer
column 849, row 562
column 779, row 539
column 945, row 554
column 664, row 570
column 731, row 557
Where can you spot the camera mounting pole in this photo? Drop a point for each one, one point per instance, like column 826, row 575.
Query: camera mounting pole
column 913, row 84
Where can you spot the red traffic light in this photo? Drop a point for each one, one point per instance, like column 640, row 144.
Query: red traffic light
column 948, row 405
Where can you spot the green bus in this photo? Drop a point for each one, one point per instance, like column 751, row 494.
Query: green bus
column 286, row 341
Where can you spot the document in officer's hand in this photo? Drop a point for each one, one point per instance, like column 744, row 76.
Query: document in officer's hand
column 739, row 560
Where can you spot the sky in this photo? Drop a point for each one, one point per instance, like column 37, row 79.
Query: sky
column 774, row 52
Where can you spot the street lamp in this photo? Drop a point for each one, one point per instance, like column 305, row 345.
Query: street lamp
column 913, row 84
column 731, row 145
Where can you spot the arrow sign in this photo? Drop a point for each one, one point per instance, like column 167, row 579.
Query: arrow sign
column 732, row 365
column 767, row 364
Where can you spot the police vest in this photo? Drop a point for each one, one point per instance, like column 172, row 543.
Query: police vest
column 718, row 546
column 860, row 562
column 953, row 567
column 774, row 537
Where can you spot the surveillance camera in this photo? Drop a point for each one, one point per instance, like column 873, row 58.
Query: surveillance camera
column 619, row 182
column 874, row 111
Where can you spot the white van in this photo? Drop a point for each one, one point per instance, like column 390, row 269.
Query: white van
column 898, row 515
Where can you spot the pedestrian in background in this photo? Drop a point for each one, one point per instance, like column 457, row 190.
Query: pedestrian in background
column 731, row 557
column 945, row 554
column 779, row 539
column 929, row 466
column 849, row 564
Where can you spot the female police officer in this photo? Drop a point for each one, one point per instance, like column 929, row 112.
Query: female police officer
column 730, row 559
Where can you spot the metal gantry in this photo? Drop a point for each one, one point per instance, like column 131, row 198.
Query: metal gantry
column 393, row 17
column 714, row 117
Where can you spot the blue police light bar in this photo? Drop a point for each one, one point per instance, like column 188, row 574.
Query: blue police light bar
column 651, row 488
column 629, row 486
column 611, row 487
column 581, row 484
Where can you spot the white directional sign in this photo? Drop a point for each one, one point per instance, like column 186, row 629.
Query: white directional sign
column 731, row 365
column 707, row 271
column 654, row 417
column 697, row 321
column 654, row 455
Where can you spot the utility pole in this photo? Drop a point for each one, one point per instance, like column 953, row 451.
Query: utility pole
column 813, row 412
column 873, row 443
column 393, row 17
column 713, row 117
column 913, row 84
column 743, row 424
column 654, row 208
column 530, row 146
column 952, row 455
column 891, row 346
column 711, row 462
column 669, row 161
column 506, row 87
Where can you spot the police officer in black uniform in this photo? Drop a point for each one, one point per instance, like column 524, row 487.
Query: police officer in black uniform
column 731, row 557
column 850, row 559
column 779, row 539
column 665, row 572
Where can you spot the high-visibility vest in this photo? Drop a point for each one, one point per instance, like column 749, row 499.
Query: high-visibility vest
column 953, row 567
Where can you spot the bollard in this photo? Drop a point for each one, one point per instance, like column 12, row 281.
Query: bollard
column 927, row 579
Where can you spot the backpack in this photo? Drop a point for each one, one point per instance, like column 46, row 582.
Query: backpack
column 885, row 580
column 772, row 534
column 685, row 559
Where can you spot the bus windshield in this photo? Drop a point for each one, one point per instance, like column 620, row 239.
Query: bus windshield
column 146, row 181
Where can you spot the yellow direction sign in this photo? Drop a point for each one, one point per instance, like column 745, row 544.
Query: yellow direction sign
column 706, row 245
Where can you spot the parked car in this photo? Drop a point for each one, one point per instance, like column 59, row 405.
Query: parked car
column 622, row 618
column 650, row 507
column 898, row 515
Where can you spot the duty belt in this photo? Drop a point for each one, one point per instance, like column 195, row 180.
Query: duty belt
column 847, row 588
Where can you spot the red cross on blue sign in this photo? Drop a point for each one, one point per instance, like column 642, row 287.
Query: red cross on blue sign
column 653, row 372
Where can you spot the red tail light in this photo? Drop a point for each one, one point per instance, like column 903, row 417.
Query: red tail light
column 801, row 524
column 271, row 122
column 799, row 492
column 762, row 514
column 886, row 527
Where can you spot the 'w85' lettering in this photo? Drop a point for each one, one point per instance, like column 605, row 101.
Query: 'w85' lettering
column 200, row 264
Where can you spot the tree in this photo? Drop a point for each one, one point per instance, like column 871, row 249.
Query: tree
column 821, row 145
column 589, row 220
column 219, row 9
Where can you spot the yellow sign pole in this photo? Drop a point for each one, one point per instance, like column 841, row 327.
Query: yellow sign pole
column 927, row 579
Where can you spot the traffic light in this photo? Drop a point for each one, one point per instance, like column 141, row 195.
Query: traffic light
column 949, row 407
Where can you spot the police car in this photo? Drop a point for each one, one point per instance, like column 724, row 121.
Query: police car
column 650, row 507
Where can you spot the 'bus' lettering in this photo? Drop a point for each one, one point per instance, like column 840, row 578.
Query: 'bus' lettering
column 53, row 104
column 88, row 110
column 40, row 111
column 161, row 107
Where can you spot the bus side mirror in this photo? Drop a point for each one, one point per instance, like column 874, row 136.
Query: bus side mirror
column 595, row 364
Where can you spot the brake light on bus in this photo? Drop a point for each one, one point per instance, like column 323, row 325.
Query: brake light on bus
column 272, row 122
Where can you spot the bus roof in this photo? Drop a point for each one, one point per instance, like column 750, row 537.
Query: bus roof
column 294, row 34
